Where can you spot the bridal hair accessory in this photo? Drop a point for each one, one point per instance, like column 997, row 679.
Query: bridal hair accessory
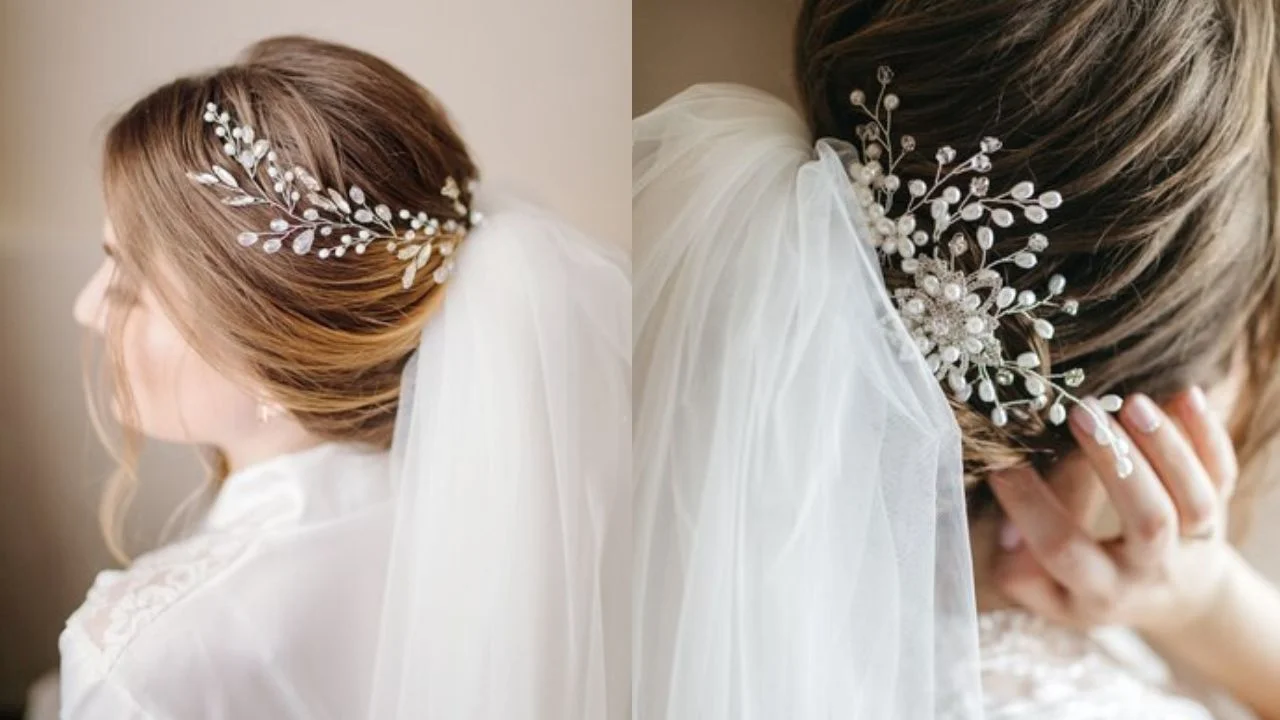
column 951, row 314
column 308, row 211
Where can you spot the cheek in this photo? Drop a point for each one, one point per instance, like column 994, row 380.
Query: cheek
column 179, row 397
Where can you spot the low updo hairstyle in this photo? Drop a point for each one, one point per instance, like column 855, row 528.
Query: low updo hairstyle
column 324, row 339
column 1157, row 122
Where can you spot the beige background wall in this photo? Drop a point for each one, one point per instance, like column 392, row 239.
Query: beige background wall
column 541, row 90
column 681, row 42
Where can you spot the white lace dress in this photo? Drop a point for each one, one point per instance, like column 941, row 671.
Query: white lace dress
column 271, row 610
column 1035, row 670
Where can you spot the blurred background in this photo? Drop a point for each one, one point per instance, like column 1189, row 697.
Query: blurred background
column 540, row 91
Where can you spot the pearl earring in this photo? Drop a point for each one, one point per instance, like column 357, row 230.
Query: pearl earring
column 267, row 411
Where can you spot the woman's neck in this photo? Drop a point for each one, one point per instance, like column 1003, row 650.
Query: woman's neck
column 285, row 438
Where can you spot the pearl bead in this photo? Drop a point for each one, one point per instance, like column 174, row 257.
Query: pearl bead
column 1111, row 403
column 1034, row 385
column 1057, row 414
column 986, row 237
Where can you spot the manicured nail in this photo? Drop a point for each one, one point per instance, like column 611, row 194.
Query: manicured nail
column 1199, row 402
column 1083, row 419
column 1010, row 538
column 1142, row 412
column 1089, row 418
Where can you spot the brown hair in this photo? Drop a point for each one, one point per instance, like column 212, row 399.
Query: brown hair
column 327, row 340
column 1156, row 121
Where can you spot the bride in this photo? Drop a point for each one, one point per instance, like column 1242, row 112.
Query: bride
column 417, row 391
column 896, row 360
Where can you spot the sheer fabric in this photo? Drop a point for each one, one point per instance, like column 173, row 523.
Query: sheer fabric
column 461, row 576
column 801, row 540
column 270, row 610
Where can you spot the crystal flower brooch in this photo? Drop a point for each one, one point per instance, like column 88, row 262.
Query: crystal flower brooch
column 309, row 213
column 953, row 314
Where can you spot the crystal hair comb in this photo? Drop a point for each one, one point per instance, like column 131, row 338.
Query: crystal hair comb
column 308, row 211
column 951, row 314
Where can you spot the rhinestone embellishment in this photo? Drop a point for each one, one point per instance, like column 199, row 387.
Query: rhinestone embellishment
column 309, row 213
column 951, row 313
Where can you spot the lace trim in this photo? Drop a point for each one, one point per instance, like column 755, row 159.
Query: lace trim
column 121, row 603
column 1034, row 669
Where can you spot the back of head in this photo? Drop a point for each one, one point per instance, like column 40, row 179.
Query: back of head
column 326, row 339
column 1156, row 121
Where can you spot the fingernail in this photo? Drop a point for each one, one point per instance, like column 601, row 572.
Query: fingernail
column 1010, row 538
column 1086, row 418
column 1142, row 411
column 1083, row 419
column 1199, row 402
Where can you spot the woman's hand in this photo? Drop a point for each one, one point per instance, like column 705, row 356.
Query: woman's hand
column 1172, row 560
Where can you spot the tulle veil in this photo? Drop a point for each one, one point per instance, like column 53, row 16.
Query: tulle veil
column 511, row 462
column 801, row 546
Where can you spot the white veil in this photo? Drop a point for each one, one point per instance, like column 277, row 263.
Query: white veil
column 801, row 545
column 512, row 465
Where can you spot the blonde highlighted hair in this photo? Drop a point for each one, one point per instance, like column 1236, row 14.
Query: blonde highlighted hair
column 326, row 340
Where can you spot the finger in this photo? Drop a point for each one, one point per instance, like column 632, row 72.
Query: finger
column 1175, row 462
column 1077, row 487
column 1024, row 581
column 1052, row 536
column 1146, row 511
column 1209, row 436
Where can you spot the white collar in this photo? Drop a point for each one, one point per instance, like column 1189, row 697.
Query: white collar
column 308, row 486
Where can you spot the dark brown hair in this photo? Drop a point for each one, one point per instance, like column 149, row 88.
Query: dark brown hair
column 1156, row 121
column 327, row 340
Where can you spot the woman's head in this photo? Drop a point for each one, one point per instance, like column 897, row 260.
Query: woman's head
column 1156, row 123
column 203, row 333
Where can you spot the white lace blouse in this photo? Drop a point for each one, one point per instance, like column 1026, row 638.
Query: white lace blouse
column 270, row 610
column 1035, row 670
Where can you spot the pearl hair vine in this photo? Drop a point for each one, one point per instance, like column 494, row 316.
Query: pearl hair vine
column 309, row 212
column 951, row 314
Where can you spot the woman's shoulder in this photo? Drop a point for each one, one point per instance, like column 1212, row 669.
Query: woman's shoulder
column 213, row 615
column 123, row 604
